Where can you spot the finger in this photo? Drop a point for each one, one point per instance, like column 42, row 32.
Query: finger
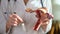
column 14, row 23
column 51, row 15
column 14, row 19
column 45, row 20
column 45, row 23
column 19, row 18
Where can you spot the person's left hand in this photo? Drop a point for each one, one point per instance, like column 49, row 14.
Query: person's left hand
column 44, row 24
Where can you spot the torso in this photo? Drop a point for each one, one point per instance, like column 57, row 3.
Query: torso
column 29, row 21
column 29, row 18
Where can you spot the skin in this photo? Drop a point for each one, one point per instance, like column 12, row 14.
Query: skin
column 13, row 20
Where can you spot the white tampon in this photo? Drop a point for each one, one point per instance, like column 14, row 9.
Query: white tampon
column 23, row 26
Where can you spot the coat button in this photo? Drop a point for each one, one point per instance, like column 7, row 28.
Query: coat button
column 8, row 0
column 14, row 12
column 15, row 0
column 5, row 12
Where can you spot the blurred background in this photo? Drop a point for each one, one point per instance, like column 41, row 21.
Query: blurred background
column 56, row 10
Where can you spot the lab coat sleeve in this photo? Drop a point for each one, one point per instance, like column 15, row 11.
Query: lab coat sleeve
column 48, row 5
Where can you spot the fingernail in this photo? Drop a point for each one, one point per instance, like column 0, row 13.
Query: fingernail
column 15, row 24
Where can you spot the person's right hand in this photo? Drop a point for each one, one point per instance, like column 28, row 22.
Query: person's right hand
column 13, row 20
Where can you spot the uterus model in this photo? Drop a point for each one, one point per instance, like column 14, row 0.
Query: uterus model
column 42, row 16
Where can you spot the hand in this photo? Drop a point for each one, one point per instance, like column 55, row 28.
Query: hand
column 13, row 20
column 45, row 23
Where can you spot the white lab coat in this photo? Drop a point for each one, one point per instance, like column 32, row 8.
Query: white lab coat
column 29, row 18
